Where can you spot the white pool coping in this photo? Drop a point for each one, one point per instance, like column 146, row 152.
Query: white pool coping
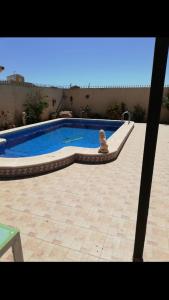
column 26, row 166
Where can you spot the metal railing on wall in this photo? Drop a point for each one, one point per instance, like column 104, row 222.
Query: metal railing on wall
column 27, row 84
column 113, row 86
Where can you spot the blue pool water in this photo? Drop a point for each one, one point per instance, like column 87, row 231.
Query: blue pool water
column 53, row 136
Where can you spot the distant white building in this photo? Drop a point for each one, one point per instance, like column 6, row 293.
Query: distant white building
column 15, row 78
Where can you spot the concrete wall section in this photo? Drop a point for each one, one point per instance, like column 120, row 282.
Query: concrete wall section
column 13, row 97
column 98, row 99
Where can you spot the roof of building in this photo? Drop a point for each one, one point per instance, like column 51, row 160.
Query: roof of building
column 15, row 75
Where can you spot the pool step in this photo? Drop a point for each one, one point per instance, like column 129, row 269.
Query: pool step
column 68, row 140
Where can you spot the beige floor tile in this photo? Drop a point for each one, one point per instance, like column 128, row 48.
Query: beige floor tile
column 110, row 248
column 73, row 255
column 41, row 252
column 93, row 244
column 57, row 253
column 77, row 256
column 88, row 212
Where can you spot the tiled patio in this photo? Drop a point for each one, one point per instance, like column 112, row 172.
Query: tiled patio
column 88, row 212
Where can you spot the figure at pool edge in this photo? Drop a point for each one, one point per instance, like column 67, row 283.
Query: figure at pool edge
column 103, row 144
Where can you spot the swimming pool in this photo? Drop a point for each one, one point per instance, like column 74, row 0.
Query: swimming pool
column 52, row 137
column 50, row 145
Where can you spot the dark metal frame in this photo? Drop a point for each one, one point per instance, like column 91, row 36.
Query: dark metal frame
column 153, row 118
column 15, row 243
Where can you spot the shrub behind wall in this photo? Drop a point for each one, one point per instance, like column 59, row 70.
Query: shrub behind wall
column 138, row 114
column 115, row 110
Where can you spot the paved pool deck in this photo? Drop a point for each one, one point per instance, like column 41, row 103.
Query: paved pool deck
column 88, row 212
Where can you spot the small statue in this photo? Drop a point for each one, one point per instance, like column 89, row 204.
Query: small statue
column 103, row 144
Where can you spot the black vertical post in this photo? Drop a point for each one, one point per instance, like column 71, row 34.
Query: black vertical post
column 155, row 100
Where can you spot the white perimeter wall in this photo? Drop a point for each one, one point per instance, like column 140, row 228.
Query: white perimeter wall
column 13, row 97
column 101, row 98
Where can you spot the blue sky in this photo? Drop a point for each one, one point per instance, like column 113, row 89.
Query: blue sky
column 79, row 61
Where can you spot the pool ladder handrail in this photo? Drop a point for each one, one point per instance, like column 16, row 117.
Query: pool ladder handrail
column 129, row 115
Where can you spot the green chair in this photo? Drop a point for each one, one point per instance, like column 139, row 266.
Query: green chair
column 10, row 237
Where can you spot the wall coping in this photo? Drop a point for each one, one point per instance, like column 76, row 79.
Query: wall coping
column 36, row 85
